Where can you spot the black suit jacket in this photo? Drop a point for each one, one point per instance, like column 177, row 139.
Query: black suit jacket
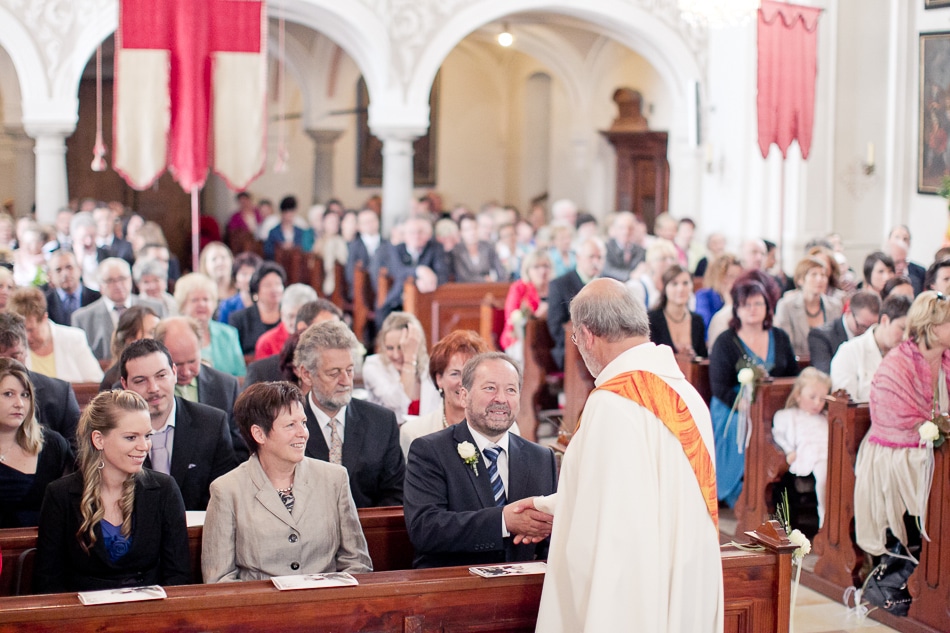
column 201, row 453
column 399, row 263
column 120, row 248
column 249, row 326
column 615, row 265
column 56, row 405
column 371, row 453
column 560, row 293
column 266, row 369
column 660, row 331
column 357, row 252
column 450, row 510
column 57, row 311
column 917, row 274
column 219, row 390
column 158, row 552
column 823, row 343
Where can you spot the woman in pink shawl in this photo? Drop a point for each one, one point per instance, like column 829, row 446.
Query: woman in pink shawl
column 894, row 466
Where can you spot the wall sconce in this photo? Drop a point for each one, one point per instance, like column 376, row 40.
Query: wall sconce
column 868, row 164
column 505, row 38
column 708, row 158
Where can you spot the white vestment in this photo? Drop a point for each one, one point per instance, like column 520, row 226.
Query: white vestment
column 633, row 547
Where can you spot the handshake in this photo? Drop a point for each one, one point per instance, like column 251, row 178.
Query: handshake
column 530, row 520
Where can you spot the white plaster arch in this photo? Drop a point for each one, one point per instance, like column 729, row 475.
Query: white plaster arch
column 296, row 58
column 15, row 39
column 629, row 24
column 11, row 113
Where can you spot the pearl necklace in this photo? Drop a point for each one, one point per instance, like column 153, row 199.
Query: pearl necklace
column 286, row 490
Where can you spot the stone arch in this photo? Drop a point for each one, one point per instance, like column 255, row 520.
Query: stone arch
column 29, row 66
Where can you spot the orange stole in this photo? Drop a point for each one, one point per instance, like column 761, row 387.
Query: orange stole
column 653, row 394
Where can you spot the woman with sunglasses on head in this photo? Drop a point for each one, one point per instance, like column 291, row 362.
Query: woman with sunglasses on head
column 113, row 524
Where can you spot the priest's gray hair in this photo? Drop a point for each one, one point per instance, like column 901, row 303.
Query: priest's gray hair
column 613, row 315
column 323, row 336
column 468, row 371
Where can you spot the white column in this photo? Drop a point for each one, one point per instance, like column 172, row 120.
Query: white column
column 397, row 173
column 324, row 142
column 52, row 191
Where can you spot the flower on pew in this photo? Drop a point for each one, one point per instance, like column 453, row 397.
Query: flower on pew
column 930, row 432
column 748, row 374
column 469, row 455
column 804, row 545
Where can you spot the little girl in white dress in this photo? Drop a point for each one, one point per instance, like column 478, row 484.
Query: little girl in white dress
column 801, row 430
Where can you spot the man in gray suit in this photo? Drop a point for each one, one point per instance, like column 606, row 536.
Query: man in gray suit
column 198, row 382
column 98, row 319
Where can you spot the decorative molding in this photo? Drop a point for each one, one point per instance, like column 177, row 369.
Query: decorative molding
column 55, row 25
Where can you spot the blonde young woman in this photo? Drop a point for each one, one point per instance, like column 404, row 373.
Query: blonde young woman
column 31, row 456
column 396, row 375
column 113, row 524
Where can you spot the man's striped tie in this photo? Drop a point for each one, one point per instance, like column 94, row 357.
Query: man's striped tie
column 497, row 487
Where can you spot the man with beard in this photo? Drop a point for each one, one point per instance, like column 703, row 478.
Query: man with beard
column 459, row 480
column 635, row 545
column 362, row 437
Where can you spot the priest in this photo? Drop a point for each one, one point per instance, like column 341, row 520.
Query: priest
column 635, row 545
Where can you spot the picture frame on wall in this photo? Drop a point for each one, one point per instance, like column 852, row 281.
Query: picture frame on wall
column 933, row 122
column 936, row 4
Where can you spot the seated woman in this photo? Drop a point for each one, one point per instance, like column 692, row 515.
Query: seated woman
column 878, row 268
column 721, row 273
column 7, row 286
column 280, row 512
column 807, row 307
column 267, row 289
column 672, row 323
column 445, row 369
column 196, row 297
column 331, row 248
column 113, row 524
column 647, row 287
column 151, row 278
column 31, row 455
column 394, row 374
column 474, row 260
column 57, row 351
column 750, row 341
column 242, row 270
column 526, row 296
column 894, row 466
column 899, row 285
column 136, row 323
column 215, row 263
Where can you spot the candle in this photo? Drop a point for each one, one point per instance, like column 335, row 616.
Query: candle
column 870, row 157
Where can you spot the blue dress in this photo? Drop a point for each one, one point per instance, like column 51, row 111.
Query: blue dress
column 730, row 463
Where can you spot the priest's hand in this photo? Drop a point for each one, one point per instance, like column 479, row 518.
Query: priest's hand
column 526, row 524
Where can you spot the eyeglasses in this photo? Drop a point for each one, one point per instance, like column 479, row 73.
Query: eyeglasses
column 574, row 338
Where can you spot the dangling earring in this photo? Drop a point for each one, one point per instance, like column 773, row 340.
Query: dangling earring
column 102, row 464
column 441, row 393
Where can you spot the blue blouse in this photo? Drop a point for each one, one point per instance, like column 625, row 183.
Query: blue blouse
column 115, row 543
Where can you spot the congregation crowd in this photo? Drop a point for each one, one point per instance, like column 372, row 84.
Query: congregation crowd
column 231, row 391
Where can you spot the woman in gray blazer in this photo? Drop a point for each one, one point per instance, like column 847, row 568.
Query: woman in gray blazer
column 280, row 513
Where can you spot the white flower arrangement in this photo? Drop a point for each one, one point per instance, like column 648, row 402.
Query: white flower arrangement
column 746, row 376
column 804, row 545
column 929, row 432
column 469, row 455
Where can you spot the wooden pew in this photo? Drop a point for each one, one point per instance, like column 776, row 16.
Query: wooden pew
column 839, row 558
column 294, row 263
column 578, row 383
column 384, row 529
column 696, row 372
column 540, row 371
column 491, row 321
column 757, row 598
column 85, row 392
column 764, row 461
column 452, row 306
column 364, row 304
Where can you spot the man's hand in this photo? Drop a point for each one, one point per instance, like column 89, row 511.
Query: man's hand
column 526, row 524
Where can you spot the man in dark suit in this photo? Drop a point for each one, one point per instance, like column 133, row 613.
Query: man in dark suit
column 363, row 247
column 98, row 319
column 419, row 256
column 590, row 261
column 107, row 243
column 197, row 382
column 269, row 369
column 462, row 482
column 898, row 247
column 623, row 254
column 66, row 293
column 190, row 441
column 361, row 436
column 56, row 405
column 824, row 341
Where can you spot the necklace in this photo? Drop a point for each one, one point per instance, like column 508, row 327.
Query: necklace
column 812, row 315
column 445, row 423
column 4, row 453
column 675, row 320
column 286, row 490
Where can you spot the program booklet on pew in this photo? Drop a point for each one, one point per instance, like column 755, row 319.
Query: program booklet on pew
column 314, row 581
column 513, row 569
column 112, row 596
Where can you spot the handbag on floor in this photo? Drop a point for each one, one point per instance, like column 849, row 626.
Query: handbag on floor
column 886, row 585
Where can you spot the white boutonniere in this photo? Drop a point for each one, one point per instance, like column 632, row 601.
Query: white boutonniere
column 469, row 455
